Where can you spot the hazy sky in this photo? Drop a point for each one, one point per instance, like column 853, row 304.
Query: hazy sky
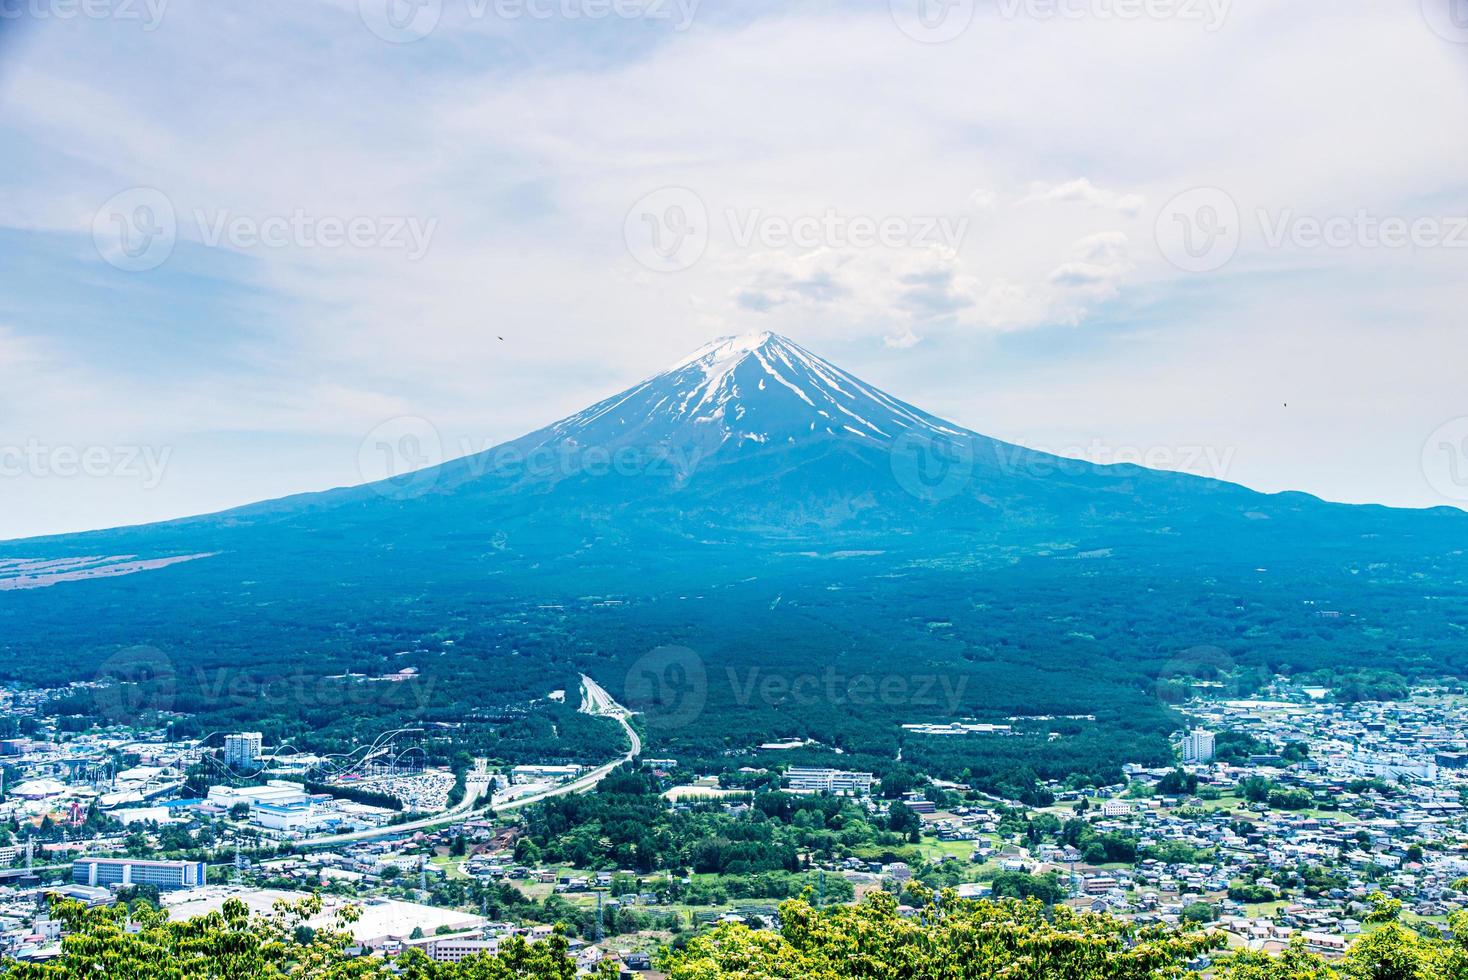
column 241, row 241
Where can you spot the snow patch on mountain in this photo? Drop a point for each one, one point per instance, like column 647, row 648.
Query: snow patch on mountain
column 760, row 389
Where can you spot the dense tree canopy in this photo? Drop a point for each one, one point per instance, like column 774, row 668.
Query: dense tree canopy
column 951, row 939
column 945, row 939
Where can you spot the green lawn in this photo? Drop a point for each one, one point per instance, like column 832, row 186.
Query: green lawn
column 1264, row 910
column 449, row 864
column 935, row 850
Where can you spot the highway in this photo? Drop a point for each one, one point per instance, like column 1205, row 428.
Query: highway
column 594, row 701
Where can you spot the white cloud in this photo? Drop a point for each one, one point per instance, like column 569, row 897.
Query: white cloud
column 1082, row 191
column 1028, row 130
column 1097, row 268
column 902, row 339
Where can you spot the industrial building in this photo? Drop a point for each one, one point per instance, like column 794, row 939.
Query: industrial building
column 810, row 780
column 166, row 875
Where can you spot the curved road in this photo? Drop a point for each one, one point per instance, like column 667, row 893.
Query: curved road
column 594, row 701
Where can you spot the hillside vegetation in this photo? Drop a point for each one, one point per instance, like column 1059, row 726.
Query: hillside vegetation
column 948, row 939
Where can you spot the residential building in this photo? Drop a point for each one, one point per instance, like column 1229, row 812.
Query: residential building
column 242, row 749
column 1198, row 746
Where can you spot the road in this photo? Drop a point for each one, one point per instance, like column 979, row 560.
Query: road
column 597, row 701
column 594, row 701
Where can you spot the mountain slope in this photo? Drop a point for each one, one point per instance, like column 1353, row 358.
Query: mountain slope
column 774, row 517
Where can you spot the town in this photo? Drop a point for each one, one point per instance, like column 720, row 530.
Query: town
column 1285, row 816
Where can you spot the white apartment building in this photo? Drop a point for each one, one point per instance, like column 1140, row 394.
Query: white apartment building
column 242, row 749
column 1198, row 746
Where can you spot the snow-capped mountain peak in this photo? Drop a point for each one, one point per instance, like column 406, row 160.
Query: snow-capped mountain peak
column 759, row 388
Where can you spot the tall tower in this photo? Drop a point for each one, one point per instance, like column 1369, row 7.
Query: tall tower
column 1198, row 746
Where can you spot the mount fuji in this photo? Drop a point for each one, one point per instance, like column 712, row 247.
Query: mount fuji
column 748, row 444
column 760, row 506
column 759, row 388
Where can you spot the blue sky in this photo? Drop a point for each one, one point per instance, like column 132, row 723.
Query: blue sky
column 500, row 169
